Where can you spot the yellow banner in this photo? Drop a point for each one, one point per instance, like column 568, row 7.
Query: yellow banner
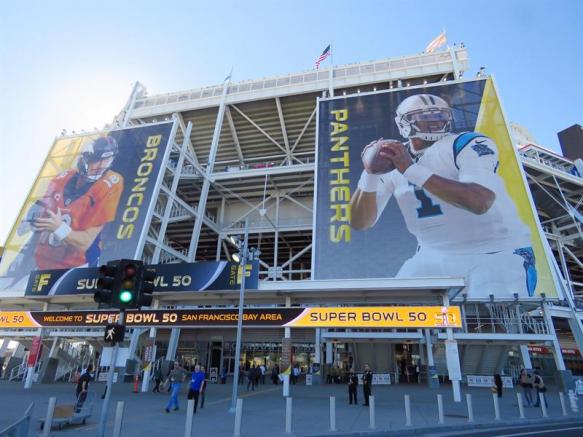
column 379, row 317
column 17, row 319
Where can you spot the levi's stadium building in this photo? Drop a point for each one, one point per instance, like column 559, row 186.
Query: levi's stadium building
column 266, row 170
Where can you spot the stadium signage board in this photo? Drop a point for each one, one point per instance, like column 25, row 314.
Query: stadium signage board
column 400, row 221
column 200, row 276
column 90, row 203
column 373, row 317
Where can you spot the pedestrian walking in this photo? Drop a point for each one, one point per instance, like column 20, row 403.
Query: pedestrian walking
column 175, row 378
column 366, row 384
column 275, row 375
column 83, row 387
column 526, row 384
column 157, row 380
column 352, row 387
column 262, row 370
column 203, row 386
column 196, row 383
column 223, row 375
column 251, row 378
column 241, row 375
column 540, row 387
column 497, row 387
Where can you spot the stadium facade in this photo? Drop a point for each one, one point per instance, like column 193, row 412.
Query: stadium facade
column 242, row 160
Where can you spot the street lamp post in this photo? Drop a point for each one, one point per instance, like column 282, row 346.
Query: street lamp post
column 243, row 264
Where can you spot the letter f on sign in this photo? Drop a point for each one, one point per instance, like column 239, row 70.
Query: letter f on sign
column 43, row 280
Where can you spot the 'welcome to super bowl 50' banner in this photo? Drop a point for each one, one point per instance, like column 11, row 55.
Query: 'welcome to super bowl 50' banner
column 345, row 317
column 88, row 204
column 425, row 182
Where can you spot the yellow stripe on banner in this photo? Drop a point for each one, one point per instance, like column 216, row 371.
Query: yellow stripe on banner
column 379, row 317
column 492, row 124
column 17, row 319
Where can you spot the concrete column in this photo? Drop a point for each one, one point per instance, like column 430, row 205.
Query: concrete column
column 564, row 377
column 173, row 344
column 576, row 329
column 30, row 370
column 525, row 357
column 453, row 362
column 329, row 353
column 432, row 377
column 51, row 361
column 318, row 346
column 151, row 343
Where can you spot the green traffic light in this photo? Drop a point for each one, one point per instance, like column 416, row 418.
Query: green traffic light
column 126, row 296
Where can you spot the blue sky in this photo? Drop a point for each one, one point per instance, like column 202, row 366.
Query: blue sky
column 70, row 64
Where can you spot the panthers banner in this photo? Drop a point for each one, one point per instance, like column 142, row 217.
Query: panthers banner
column 425, row 182
column 88, row 205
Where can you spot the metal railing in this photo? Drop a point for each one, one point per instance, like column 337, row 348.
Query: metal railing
column 17, row 373
column 21, row 426
column 392, row 65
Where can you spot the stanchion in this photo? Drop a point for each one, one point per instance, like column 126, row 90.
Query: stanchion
column 288, row 415
column 563, row 404
column 470, row 408
column 408, row 411
column 543, row 404
column 48, row 423
column 440, row 409
column 520, row 405
column 496, row 406
column 238, row 416
column 189, row 414
column 136, row 384
column 332, row 413
column 118, row 419
column 371, row 412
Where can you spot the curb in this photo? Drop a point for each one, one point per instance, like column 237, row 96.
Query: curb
column 436, row 429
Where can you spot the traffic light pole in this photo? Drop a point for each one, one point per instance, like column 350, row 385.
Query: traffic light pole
column 240, row 318
column 105, row 405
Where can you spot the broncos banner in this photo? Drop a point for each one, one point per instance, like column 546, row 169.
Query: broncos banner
column 88, row 204
column 345, row 317
column 199, row 276
column 425, row 182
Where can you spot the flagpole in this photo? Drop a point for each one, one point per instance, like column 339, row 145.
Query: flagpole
column 331, row 78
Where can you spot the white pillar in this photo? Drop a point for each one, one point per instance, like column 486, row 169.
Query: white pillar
column 30, row 369
column 452, row 360
column 329, row 353
column 173, row 344
column 151, row 343
column 557, row 355
column 317, row 348
column 527, row 364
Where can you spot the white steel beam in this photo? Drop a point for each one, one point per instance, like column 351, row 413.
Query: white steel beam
column 283, row 130
column 259, row 128
column 195, row 236
column 234, row 135
column 170, row 199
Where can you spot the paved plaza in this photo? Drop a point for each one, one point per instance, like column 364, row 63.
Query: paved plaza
column 264, row 409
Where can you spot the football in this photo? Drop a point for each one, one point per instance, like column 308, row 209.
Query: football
column 375, row 163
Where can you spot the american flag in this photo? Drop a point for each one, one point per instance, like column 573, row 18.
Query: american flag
column 323, row 56
column 436, row 43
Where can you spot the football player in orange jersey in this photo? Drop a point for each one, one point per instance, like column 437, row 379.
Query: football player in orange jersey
column 77, row 205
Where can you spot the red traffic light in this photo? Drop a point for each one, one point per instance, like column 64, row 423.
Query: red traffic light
column 130, row 271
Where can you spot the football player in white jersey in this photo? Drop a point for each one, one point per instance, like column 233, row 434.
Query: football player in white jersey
column 452, row 200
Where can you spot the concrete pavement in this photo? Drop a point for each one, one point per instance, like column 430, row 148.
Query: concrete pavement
column 264, row 409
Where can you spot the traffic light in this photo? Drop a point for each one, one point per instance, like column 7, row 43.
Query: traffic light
column 126, row 290
column 146, row 287
column 106, row 283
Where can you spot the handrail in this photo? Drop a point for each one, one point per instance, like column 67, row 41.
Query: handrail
column 20, row 427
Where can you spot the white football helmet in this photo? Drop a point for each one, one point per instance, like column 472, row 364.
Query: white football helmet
column 431, row 111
